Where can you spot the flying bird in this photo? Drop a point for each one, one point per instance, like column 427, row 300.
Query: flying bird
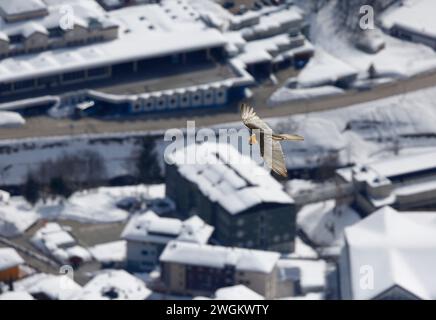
column 270, row 148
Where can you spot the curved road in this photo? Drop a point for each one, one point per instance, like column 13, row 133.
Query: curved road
column 45, row 126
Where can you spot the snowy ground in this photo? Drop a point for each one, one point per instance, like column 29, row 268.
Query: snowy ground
column 359, row 133
column 324, row 223
column 11, row 119
column 336, row 54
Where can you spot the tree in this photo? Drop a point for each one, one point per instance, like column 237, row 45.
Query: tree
column 32, row 190
column 59, row 186
column 147, row 163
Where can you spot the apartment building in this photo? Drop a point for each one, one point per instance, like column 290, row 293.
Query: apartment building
column 199, row 270
column 245, row 204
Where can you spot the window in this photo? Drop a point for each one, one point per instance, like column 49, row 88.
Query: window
column 22, row 85
column 144, row 252
column 72, row 76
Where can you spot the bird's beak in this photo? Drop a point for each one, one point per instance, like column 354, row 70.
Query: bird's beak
column 252, row 140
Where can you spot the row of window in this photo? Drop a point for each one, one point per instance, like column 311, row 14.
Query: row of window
column 200, row 98
column 54, row 80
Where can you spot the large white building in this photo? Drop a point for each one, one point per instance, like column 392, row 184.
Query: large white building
column 404, row 182
column 390, row 255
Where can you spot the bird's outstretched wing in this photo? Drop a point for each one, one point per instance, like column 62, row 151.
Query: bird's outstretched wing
column 272, row 154
column 252, row 120
column 270, row 149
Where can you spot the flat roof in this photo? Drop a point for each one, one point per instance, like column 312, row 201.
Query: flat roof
column 146, row 31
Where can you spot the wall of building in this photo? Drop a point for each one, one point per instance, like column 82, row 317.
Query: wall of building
column 10, row 274
column 142, row 256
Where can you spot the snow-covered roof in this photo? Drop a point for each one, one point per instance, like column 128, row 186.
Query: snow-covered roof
column 149, row 227
column 109, row 252
column 219, row 257
column 114, row 285
column 416, row 16
column 391, row 167
column 229, row 178
column 311, row 273
column 21, row 6
column 238, row 292
column 55, row 287
column 405, row 164
column 161, row 31
column 398, row 248
column 9, row 258
column 31, row 27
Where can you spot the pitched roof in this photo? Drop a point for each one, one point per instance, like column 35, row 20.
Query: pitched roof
column 219, row 257
column 226, row 177
column 151, row 227
column 400, row 249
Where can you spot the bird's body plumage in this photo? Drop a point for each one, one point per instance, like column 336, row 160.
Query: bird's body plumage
column 270, row 147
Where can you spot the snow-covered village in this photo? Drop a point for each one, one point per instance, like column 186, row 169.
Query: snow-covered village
column 217, row 150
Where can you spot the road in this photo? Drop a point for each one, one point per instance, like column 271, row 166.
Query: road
column 45, row 126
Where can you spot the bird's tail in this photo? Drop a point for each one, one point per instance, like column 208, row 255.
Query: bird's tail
column 290, row 137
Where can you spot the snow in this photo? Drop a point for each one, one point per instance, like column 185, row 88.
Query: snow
column 16, row 295
column 324, row 223
column 57, row 241
column 15, row 218
column 302, row 251
column 312, row 273
column 309, row 296
column 114, row 285
column 324, row 69
column 228, row 177
column 238, row 292
column 218, row 257
column 285, row 94
column 10, row 119
column 413, row 15
column 9, row 258
column 109, row 252
column 149, row 227
column 167, row 36
column 54, row 287
column 400, row 251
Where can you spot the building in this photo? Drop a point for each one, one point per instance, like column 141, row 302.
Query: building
column 389, row 255
column 403, row 182
column 199, row 270
column 10, row 262
column 34, row 26
column 148, row 234
column 413, row 22
column 114, row 285
column 167, row 73
column 245, row 204
column 55, row 240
